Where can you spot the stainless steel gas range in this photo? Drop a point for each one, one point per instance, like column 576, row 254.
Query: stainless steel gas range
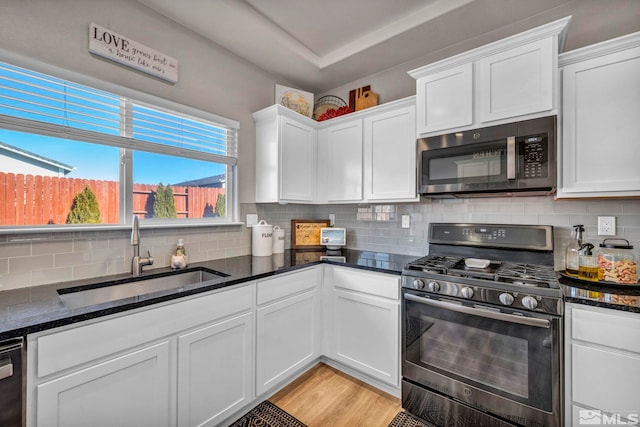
column 482, row 328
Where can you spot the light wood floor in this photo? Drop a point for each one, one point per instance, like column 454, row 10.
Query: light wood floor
column 324, row 396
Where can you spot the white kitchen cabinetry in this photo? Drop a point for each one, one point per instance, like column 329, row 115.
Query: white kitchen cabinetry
column 365, row 156
column 518, row 81
column 364, row 322
column 600, row 108
column 390, row 154
column 123, row 370
column 287, row 326
column 602, row 364
column 286, row 156
column 343, row 165
column 214, row 374
column 513, row 78
column 369, row 156
column 130, row 389
column 445, row 99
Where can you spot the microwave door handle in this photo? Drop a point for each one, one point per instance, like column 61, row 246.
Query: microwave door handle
column 496, row 315
column 511, row 157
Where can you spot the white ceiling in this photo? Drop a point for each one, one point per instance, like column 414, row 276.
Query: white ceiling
column 322, row 44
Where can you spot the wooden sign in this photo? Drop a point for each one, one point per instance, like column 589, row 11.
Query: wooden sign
column 110, row 45
column 305, row 233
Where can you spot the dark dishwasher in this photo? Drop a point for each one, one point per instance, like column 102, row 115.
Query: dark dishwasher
column 11, row 377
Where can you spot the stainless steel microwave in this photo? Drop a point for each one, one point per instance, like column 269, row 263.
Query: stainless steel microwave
column 511, row 159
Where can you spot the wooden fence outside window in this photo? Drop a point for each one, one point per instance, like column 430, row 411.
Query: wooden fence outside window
column 38, row 200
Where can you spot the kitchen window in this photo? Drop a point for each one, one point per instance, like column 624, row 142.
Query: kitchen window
column 73, row 156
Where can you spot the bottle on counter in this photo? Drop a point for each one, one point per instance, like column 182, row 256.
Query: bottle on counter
column 572, row 255
column 179, row 257
column 588, row 264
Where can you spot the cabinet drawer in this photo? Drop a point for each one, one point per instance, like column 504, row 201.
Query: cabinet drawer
column 601, row 379
column 384, row 285
column 618, row 330
column 284, row 285
column 82, row 344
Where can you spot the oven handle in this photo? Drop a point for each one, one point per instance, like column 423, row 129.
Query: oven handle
column 529, row 321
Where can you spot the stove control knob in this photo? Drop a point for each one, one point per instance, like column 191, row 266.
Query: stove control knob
column 529, row 302
column 466, row 292
column 433, row 286
column 506, row 299
column 418, row 284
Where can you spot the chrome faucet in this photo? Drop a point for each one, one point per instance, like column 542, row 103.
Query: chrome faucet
column 136, row 262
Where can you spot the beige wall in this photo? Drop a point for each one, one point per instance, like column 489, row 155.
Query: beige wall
column 210, row 78
column 592, row 21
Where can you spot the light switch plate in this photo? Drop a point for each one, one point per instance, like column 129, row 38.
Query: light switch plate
column 252, row 219
column 332, row 219
column 406, row 221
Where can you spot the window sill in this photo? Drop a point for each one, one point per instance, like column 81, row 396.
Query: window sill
column 113, row 227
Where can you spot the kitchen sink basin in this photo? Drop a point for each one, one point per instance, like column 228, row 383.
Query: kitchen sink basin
column 103, row 292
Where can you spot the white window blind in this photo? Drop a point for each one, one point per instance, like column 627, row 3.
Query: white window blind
column 58, row 107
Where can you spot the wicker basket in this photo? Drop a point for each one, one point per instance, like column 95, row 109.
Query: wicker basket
column 326, row 102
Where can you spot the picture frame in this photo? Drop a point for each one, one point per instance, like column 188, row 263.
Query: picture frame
column 297, row 100
column 305, row 233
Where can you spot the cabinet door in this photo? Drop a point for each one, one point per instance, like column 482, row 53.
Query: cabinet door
column 390, row 155
column 215, row 374
column 297, row 161
column 517, row 82
column 343, row 162
column 130, row 390
column 599, row 369
column 601, row 107
column 287, row 338
column 445, row 99
column 366, row 334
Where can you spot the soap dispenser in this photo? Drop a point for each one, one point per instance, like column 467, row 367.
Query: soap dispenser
column 572, row 254
column 588, row 264
column 179, row 257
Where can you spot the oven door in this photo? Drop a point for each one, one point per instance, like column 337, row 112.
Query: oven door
column 498, row 360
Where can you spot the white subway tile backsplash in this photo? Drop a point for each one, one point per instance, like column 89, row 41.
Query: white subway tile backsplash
column 30, row 261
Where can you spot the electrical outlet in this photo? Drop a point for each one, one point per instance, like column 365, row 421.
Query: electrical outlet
column 332, row 219
column 606, row 226
column 406, row 221
column 252, row 219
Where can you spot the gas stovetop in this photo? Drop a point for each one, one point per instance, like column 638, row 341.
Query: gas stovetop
column 503, row 265
column 519, row 274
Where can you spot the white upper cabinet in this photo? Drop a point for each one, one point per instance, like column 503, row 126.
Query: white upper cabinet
column 513, row 78
column 517, row 82
column 445, row 99
column 286, row 156
column 600, row 153
column 367, row 155
column 342, row 146
column 390, row 155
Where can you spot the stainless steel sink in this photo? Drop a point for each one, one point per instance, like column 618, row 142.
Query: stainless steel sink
column 100, row 293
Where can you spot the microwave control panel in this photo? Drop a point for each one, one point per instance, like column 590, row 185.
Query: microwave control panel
column 533, row 157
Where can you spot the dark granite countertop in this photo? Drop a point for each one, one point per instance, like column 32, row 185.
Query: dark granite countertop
column 617, row 297
column 34, row 309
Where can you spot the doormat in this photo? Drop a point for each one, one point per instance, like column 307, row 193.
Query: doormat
column 266, row 414
column 402, row 419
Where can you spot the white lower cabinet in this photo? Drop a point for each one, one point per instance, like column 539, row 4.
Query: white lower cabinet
column 287, row 326
column 602, row 365
column 364, row 323
column 214, row 375
column 132, row 389
column 189, row 363
column 202, row 361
